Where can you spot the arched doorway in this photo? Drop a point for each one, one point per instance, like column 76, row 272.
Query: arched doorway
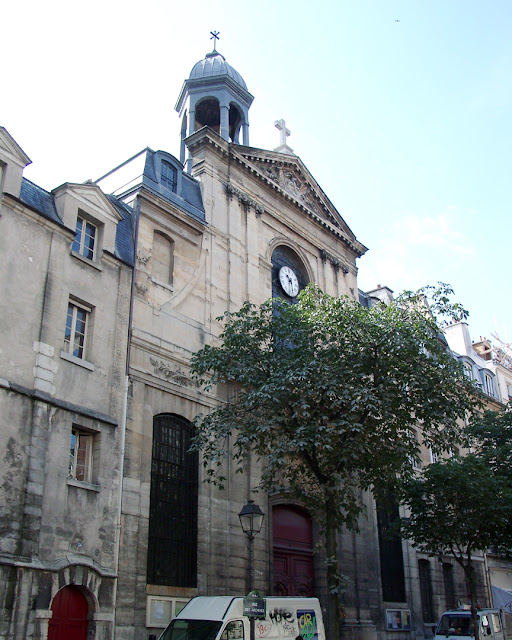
column 69, row 619
column 293, row 551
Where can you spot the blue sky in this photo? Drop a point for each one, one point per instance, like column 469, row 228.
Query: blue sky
column 401, row 110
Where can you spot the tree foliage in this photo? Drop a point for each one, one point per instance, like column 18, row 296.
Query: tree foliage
column 491, row 435
column 328, row 394
column 462, row 505
column 456, row 507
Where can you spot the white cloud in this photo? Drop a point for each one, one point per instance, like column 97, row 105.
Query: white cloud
column 420, row 250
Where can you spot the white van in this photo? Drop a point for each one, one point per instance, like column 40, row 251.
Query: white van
column 222, row 618
column 457, row 623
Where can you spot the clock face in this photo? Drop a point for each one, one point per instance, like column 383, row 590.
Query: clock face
column 289, row 281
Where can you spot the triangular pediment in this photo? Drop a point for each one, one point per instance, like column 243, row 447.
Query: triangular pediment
column 290, row 175
column 11, row 150
column 91, row 198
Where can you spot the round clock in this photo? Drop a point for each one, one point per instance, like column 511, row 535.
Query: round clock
column 289, row 281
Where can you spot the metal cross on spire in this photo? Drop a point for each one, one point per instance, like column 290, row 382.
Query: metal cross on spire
column 214, row 37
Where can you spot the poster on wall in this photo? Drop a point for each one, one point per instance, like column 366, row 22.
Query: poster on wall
column 398, row 620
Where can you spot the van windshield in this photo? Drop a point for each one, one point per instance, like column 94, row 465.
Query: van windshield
column 191, row 630
column 455, row 625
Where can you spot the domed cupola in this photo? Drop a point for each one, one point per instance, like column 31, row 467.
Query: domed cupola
column 214, row 64
column 214, row 95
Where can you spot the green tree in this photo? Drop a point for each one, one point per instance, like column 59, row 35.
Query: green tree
column 327, row 394
column 456, row 507
column 491, row 435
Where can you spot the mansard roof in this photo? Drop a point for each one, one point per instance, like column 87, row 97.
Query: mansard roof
column 144, row 170
column 44, row 203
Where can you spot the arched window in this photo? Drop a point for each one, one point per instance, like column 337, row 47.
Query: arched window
column 208, row 114
column 235, row 122
column 162, row 258
column 427, row 603
column 168, row 175
column 449, row 586
column 489, row 385
column 172, row 538
column 391, row 557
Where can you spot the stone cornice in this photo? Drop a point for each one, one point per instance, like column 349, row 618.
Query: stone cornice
column 56, row 402
column 292, row 162
column 336, row 262
column 244, row 198
column 69, row 560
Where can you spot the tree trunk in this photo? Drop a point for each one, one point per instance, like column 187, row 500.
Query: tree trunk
column 333, row 609
column 470, row 576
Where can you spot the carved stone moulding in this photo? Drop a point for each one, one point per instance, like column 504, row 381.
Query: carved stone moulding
column 336, row 262
column 171, row 373
column 244, row 198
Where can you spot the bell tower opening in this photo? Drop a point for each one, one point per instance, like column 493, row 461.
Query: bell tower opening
column 235, row 122
column 208, row 114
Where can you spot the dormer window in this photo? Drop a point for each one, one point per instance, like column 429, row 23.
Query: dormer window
column 168, row 175
column 85, row 238
column 468, row 370
column 489, row 386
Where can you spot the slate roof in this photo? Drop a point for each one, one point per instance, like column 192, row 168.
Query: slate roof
column 124, row 232
column 188, row 198
column 42, row 201
column 39, row 199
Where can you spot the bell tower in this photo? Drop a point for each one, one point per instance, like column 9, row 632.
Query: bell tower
column 214, row 95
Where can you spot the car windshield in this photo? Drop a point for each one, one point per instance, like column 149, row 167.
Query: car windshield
column 456, row 625
column 191, row 630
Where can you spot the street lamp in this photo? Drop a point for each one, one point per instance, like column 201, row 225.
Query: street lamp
column 251, row 519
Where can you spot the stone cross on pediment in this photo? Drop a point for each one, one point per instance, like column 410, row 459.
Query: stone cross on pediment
column 283, row 134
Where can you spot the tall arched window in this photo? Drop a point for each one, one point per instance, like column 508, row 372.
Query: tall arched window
column 172, row 543
column 427, row 599
column 391, row 557
column 162, row 258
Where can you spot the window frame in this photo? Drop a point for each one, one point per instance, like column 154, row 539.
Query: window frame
column 488, row 385
column 78, row 246
column 173, row 509
column 78, row 435
column 69, row 341
column 164, row 280
column 167, row 167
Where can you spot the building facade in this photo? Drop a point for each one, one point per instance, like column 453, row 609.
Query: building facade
column 64, row 308
column 106, row 520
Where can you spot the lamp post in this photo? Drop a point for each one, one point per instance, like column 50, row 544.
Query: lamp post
column 251, row 519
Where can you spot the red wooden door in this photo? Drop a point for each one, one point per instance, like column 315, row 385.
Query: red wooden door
column 293, row 552
column 69, row 619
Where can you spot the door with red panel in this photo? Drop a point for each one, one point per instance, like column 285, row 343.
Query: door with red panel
column 69, row 615
column 293, row 551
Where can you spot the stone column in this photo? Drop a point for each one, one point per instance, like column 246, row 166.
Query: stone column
column 245, row 131
column 224, row 122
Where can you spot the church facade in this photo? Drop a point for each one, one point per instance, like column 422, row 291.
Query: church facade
column 129, row 276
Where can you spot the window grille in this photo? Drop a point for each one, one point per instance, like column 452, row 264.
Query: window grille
column 172, row 543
